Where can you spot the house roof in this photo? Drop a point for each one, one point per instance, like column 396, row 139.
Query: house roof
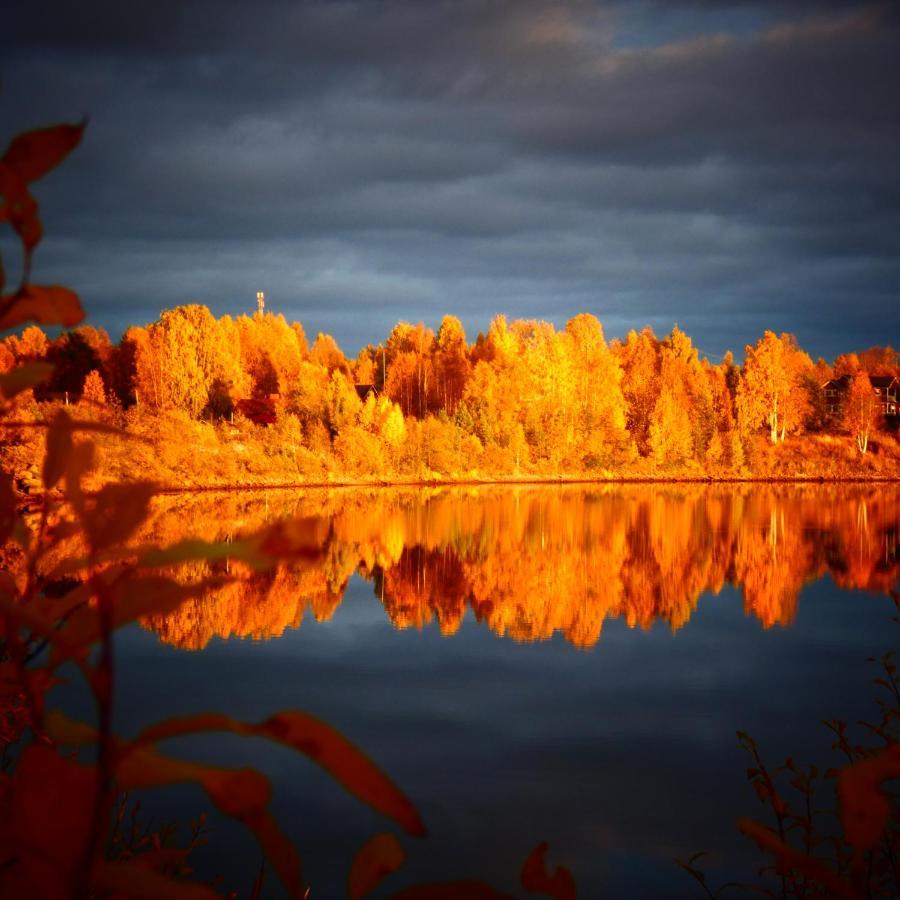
column 363, row 390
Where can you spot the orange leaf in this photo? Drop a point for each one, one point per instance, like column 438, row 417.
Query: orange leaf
column 295, row 539
column 279, row 851
column 451, row 890
column 64, row 730
column 79, row 461
column 116, row 511
column 59, row 446
column 321, row 743
column 24, row 377
column 48, row 305
column 560, row 886
column 379, row 857
column 132, row 598
column 240, row 793
column 32, row 154
column 38, row 625
column 191, row 549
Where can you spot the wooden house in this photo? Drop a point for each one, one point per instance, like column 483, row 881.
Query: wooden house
column 886, row 389
column 835, row 390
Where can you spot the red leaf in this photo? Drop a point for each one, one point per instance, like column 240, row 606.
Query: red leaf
column 279, row 851
column 322, row 743
column 379, row 857
column 865, row 809
column 32, row 154
column 788, row 858
column 47, row 305
column 8, row 514
column 560, row 885
column 136, row 882
column 51, row 806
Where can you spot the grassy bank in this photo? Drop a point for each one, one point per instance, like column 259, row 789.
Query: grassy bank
column 182, row 453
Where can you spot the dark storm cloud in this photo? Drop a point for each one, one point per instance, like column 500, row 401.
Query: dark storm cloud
column 730, row 166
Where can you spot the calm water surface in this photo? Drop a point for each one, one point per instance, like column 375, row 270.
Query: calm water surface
column 560, row 664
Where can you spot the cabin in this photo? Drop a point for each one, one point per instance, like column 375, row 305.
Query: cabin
column 363, row 391
column 835, row 389
column 886, row 388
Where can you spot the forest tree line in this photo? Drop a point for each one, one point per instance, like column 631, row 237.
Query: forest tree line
column 523, row 398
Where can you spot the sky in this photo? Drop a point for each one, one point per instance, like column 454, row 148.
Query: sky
column 727, row 166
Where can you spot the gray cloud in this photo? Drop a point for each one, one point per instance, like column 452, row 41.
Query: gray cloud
column 729, row 166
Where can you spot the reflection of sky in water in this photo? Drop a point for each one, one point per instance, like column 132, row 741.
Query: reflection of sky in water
column 622, row 757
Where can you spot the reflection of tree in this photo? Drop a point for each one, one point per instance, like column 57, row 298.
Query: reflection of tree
column 772, row 560
column 258, row 607
column 533, row 562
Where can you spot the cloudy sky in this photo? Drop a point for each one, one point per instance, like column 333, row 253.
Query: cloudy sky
column 729, row 166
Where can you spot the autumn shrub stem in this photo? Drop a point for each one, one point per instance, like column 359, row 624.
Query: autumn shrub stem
column 103, row 693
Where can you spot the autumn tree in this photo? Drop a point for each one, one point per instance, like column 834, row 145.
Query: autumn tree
column 144, row 354
column 846, row 364
column 179, row 358
column 31, row 344
column 271, row 352
column 491, row 405
column 92, row 390
column 772, row 390
column 880, row 361
column 452, row 368
column 342, row 404
column 326, row 352
column 639, row 358
column 545, row 380
column 861, row 410
column 683, row 374
column 598, row 402
column 671, row 441
column 74, row 354
column 410, row 368
column 364, row 367
column 7, row 358
column 725, row 451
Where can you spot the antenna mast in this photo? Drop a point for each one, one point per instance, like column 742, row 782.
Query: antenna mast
column 260, row 302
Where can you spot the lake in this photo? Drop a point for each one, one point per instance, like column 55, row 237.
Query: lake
column 562, row 664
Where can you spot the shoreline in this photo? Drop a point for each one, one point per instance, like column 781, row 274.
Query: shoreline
column 535, row 481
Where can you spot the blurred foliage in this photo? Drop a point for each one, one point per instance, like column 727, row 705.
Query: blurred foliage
column 65, row 826
column 834, row 834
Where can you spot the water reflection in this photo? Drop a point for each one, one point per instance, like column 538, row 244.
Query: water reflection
column 533, row 561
